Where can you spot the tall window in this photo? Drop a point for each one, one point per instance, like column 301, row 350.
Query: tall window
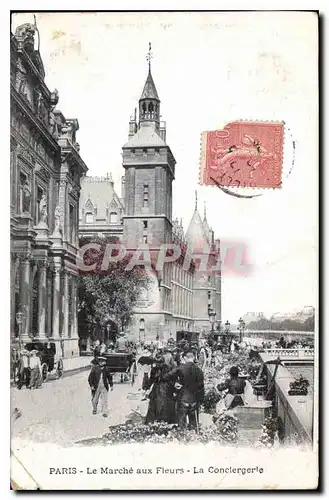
column 39, row 196
column 113, row 217
column 146, row 195
column 72, row 222
column 21, row 191
column 89, row 218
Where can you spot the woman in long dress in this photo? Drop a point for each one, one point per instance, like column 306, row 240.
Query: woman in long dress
column 162, row 403
column 35, row 366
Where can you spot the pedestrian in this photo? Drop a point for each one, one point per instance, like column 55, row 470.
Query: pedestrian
column 24, row 369
column 162, row 405
column 190, row 396
column 168, row 358
column 100, row 380
column 35, row 367
column 98, row 333
column 122, row 343
column 203, row 355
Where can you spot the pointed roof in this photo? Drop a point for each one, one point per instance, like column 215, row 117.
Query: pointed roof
column 196, row 234
column 149, row 91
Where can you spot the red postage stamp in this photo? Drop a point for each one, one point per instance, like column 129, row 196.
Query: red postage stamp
column 243, row 154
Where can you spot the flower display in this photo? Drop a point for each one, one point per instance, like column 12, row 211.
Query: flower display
column 212, row 397
column 227, row 427
column 161, row 432
column 299, row 387
column 269, row 432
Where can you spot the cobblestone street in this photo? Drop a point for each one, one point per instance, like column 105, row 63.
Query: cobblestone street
column 60, row 412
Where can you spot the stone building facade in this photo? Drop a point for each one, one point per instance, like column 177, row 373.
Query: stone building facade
column 180, row 297
column 45, row 170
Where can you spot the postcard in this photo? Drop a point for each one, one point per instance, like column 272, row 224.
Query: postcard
column 164, row 250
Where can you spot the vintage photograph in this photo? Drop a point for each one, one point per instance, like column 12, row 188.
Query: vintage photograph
column 164, row 250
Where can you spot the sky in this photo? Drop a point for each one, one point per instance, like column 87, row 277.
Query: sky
column 209, row 69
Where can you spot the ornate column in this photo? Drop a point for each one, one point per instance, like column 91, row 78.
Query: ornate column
column 49, row 303
column 12, row 296
column 65, row 307
column 25, row 294
column 75, row 306
column 56, row 308
column 62, row 202
column 42, row 298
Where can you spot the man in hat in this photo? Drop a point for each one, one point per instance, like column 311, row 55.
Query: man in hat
column 100, row 380
column 190, row 377
column 24, row 369
column 122, row 343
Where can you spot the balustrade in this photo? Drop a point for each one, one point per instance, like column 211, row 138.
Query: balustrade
column 291, row 353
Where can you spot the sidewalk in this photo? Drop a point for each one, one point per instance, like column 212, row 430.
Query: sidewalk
column 76, row 365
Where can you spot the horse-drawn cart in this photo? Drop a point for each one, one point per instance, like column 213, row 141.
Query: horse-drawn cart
column 123, row 363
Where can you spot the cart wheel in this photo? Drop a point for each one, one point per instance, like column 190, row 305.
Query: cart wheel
column 44, row 371
column 60, row 369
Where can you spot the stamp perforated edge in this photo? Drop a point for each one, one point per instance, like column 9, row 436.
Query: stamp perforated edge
column 202, row 162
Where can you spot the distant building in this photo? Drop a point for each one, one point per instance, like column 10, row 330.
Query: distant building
column 306, row 312
column 45, row 173
column 179, row 298
column 101, row 209
column 252, row 316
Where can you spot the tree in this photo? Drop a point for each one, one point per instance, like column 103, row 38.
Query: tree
column 110, row 293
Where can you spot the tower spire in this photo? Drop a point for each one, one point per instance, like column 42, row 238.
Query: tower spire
column 149, row 102
column 149, row 56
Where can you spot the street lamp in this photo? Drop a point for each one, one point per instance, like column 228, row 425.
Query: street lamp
column 241, row 328
column 228, row 335
column 20, row 316
column 227, row 327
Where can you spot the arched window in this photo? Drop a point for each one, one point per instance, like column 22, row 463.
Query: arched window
column 89, row 218
column 113, row 217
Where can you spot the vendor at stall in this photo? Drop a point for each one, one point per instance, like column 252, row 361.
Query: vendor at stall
column 235, row 387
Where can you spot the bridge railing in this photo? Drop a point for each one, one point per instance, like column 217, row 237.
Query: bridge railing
column 290, row 353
